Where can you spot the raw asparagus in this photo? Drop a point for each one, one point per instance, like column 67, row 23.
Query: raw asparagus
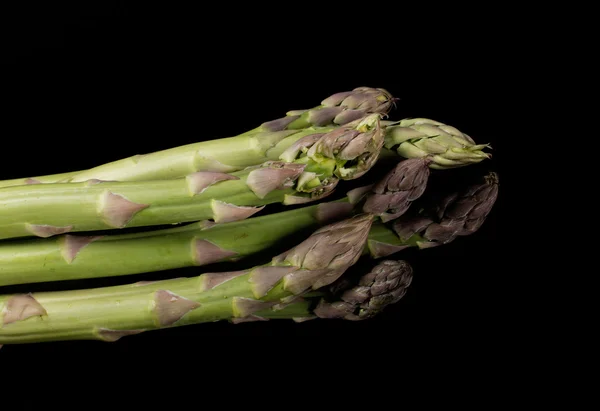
column 446, row 146
column 68, row 257
column 225, row 155
column 455, row 214
column 310, row 170
column 439, row 219
column 353, row 298
column 314, row 263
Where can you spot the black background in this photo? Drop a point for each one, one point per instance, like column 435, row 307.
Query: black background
column 93, row 83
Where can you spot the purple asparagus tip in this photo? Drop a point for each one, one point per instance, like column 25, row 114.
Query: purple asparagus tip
column 385, row 284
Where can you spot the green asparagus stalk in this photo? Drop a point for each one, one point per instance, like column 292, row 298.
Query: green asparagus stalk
column 69, row 257
column 310, row 171
column 357, row 299
column 349, row 298
column 446, row 146
column 316, row 262
column 263, row 143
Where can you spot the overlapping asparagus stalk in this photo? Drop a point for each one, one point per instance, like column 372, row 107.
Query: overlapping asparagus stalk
column 310, row 170
column 438, row 221
column 225, row 155
column 281, row 289
column 68, row 257
column 106, row 314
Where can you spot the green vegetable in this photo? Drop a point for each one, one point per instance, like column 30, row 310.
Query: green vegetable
column 108, row 314
column 310, row 171
column 83, row 256
column 225, row 155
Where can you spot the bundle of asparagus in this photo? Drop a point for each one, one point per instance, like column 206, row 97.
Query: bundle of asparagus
column 219, row 186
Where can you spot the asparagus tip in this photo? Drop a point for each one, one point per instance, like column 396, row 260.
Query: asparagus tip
column 385, row 284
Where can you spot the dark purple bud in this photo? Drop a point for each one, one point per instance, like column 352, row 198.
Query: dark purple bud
column 355, row 300
column 393, row 195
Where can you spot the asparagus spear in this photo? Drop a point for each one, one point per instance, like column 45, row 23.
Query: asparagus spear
column 354, row 296
column 364, row 297
column 311, row 170
column 446, row 146
column 263, row 143
column 68, row 257
column 316, row 262
column 456, row 214
column 443, row 218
